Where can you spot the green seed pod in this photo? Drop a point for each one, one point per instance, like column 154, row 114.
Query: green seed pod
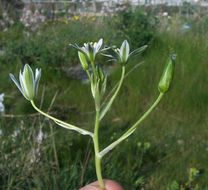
column 83, row 60
column 167, row 75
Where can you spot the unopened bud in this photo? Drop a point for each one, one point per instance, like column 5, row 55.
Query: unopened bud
column 83, row 60
column 124, row 52
column 100, row 74
column 167, row 75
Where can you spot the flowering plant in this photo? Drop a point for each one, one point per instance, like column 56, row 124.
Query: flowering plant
column 28, row 85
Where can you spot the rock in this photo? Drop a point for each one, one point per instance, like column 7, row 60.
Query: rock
column 76, row 72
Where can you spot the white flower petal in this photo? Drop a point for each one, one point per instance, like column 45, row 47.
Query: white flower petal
column 99, row 44
column 16, row 82
column 37, row 79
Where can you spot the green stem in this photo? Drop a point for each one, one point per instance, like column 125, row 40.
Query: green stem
column 107, row 107
column 54, row 148
column 61, row 123
column 131, row 129
column 93, row 67
column 96, row 148
column 88, row 74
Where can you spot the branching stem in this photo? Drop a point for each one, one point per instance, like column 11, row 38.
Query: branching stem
column 107, row 107
column 61, row 123
column 131, row 129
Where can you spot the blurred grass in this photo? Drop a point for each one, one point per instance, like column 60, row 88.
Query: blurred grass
column 177, row 130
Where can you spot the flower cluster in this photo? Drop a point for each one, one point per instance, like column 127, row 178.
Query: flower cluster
column 89, row 50
column 6, row 21
column 32, row 20
column 28, row 86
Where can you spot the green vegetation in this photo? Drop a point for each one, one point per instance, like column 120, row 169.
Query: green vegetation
column 160, row 153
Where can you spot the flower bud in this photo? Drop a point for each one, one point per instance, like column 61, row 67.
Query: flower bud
column 167, row 75
column 103, row 87
column 124, row 52
column 100, row 74
column 83, row 60
column 98, row 82
column 28, row 83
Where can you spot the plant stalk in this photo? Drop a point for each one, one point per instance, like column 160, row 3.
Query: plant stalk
column 96, row 148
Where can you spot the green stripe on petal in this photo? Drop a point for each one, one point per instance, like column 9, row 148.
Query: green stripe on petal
column 23, row 87
column 29, row 82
